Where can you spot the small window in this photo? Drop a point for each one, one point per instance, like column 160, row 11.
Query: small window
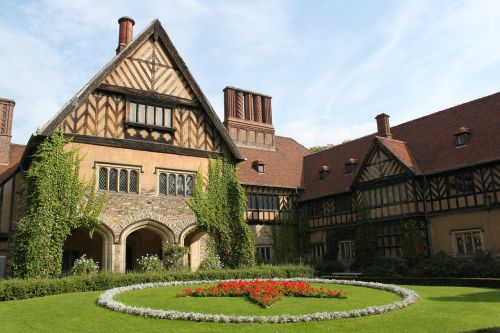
column 462, row 136
column 150, row 114
column 348, row 169
column 346, row 250
column 468, row 242
column 263, row 253
column 260, row 168
column 175, row 184
column 319, row 250
column 322, row 175
column 117, row 179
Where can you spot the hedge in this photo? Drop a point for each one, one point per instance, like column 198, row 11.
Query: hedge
column 422, row 281
column 15, row 289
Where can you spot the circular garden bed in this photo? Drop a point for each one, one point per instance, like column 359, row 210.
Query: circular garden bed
column 240, row 301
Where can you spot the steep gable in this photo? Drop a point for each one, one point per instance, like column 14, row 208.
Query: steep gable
column 379, row 165
column 149, row 71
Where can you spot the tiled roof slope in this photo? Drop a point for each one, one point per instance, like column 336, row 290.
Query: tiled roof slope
column 429, row 144
column 16, row 152
column 283, row 166
column 402, row 152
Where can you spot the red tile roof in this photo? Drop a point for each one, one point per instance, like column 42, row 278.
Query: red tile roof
column 16, row 152
column 283, row 166
column 426, row 144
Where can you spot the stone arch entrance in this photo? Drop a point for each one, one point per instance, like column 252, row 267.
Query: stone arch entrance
column 143, row 238
column 196, row 241
column 96, row 247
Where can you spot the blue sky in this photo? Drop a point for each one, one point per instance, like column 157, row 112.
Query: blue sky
column 331, row 66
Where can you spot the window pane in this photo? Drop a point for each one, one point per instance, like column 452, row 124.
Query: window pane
column 171, row 184
column 151, row 115
column 460, row 244
column 113, row 180
column 180, row 185
column 134, row 181
column 123, row 180
column 168, row 117
column 103, row 179
column 159, row 117
column 133, row 112
column 162, row 188
column 141, row 113
column 189, row 185
column 478, row 246
column 468, row 243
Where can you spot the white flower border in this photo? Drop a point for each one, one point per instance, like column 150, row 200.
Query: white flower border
column 106, row 300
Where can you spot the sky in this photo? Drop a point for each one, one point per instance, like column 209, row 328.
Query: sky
column 331, row 66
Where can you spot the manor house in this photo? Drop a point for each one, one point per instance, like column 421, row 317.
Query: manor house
column 144, row 128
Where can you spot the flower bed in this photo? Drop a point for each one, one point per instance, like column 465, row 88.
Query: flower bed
column 106, row 300
column 263, row 292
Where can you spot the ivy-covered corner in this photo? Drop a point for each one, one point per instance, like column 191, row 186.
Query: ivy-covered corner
column 57, row 202
column 219, row 202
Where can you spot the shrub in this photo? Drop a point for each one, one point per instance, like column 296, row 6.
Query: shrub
column 149, row 263
column 442, row 265
column 84, row 266
column 329, row 267
column 173, row 255
column 211, row 263
column 384, row 266
column 15, row 289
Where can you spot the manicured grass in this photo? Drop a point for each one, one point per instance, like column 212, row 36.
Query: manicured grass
column 441, row 309
column 164, row 298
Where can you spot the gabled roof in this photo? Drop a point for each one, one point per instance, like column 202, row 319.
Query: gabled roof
column 401, row 152
column 283, row 166
column 156, row 31
column 426, row 145
column 6, row 170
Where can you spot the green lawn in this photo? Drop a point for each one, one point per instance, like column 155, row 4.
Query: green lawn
column 441, row 309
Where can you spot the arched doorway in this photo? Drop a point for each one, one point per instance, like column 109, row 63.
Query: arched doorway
column 197, row 242
column 139, row 243
column 80, row 243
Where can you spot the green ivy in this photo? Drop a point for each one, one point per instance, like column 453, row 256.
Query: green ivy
column 56, row 203
column 219, row 202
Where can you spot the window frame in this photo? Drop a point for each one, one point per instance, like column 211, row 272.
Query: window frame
column 146, row 123
column 176, row 173
column 260, row 247
column 119, row 168
column 454, row 234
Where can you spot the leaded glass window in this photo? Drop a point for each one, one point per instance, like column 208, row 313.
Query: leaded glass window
column 103, row 179
column 113, row 180
column 189, row 185
column 171, row 184
column 117, row 179
column 123, row 180
column 180, row 185
column 133, row 181
column 162, row 188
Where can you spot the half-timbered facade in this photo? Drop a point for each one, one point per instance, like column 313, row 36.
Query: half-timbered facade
column 144, row 129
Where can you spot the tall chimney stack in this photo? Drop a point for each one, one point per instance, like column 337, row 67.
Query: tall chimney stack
column 383, row 128
column 126, row 32
column 248, row 118
column 6, row 115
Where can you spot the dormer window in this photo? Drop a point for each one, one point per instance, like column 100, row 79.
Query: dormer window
column 462, row 136
column 350, row 166
column 259, row 166
column 323, row 173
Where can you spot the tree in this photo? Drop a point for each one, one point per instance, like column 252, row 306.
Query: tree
column 219, row 202
column 57, row 202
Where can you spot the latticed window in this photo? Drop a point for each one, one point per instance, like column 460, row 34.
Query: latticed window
column 175, row 184
column 118, row 179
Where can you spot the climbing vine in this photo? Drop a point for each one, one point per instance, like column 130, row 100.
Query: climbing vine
column 219, row 202
column 57, row 202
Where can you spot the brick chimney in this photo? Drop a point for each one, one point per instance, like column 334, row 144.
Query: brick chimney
column 248, row 118
column 126, row 32
column 6, row 115
column 383, row 128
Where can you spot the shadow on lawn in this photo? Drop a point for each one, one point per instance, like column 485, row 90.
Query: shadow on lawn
column 486, row 330
column 486, row 296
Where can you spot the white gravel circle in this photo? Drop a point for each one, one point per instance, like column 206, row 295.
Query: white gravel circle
column 106, row 300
